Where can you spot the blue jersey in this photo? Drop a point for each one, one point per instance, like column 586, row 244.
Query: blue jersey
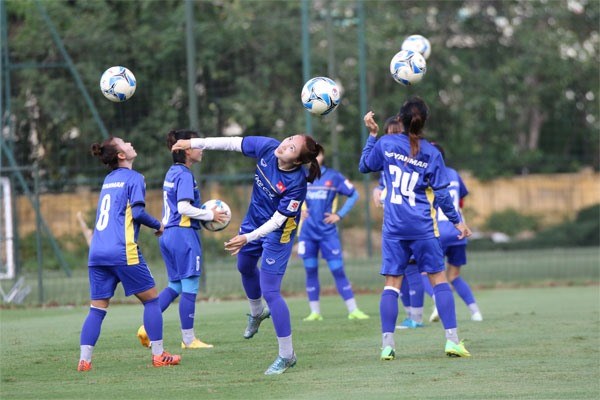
column 114, row 242
column 273, row 190
column 412, row 185
column 179, row 185
column 457, row 190
column 322, row 197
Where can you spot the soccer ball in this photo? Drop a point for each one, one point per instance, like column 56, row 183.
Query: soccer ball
column 320, row 95
column 417, row 43
column 408, row 67
column 117, row 84
column 215, row 226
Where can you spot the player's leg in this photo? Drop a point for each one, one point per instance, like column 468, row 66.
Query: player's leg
column 308, row 251
column 247, row 264
column 430, row 259
column 103, row 282
column 415, row 292
column 331, row 249
column 405, row 297
column 169, row 244
column 457, row 257
column 187, row 312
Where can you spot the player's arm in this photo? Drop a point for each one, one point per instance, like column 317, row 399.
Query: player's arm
column 341, row 213
column 139, row 214
column 236, row 243
column 85, row 230
column 184, row 207
column 213, row 143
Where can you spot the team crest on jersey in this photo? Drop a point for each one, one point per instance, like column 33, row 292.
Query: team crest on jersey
column 270, row 261
column 263, row 162
column 280, row 186
column 293, row 206
column 328, row 183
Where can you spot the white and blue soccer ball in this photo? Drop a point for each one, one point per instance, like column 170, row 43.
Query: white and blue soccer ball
column 417, row 43
column 408, row 67
column 215, row 226
column 117, row 84
column 320, row 95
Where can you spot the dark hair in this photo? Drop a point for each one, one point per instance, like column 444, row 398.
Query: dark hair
column 308, row 155
column 413, row 115
column 107, row 152
column 440, row 148
column 392, row 125
column 173, row 136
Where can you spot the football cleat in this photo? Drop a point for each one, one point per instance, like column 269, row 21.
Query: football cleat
column 143, row 336
column 196, row 344
column 456, row 350
column 313, row 316
column 388, row 353
column 357, row 314
column 84, row 366
column 280, row 365
column 409, row 324
column 254, row 323
column 165, row 359
column 434, row 317
column 477, row 317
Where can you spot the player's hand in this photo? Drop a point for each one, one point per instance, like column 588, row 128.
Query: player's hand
column 219, row 216
column 182, row 144
column 331, row 218
column 235, row 244
column 376, row 197
column 464, row 230
column 371, row 124
column 160, row 230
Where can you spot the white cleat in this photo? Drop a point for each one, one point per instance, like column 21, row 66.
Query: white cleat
column 434, row 317
column 477, row 317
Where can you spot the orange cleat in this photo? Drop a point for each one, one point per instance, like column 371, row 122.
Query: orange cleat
column 84, row 366
column 165, row 359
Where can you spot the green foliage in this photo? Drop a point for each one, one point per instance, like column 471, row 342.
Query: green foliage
column 511, row 222
column 512, row 86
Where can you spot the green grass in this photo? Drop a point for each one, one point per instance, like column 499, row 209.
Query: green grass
column 534, row 343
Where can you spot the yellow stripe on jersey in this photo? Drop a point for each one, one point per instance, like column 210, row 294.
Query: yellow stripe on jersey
column 289, row 227
column 130, row 244
column 334, row 204
column 430, row 198
column 185, row 221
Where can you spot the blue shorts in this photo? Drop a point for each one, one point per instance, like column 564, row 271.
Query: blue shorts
column 135, row 279
column 456, row 255
column 395, row 254
column 275, row 255
column 330, row 246
column 182, row 253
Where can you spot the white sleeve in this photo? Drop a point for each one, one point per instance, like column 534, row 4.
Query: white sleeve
column 184, row 207
column 275, row 222
column 218, row 143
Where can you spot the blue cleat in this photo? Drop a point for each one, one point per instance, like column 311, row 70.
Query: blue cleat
column 409, row 324
column 254, row 322
column 280, row 365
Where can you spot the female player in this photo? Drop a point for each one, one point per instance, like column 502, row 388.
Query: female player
column 455, row 250
column 114, row 253
column 318, row 231
column 269, row 227
column 180, row 245
column 414, row 175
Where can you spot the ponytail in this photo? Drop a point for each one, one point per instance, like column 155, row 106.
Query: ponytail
column 309, row 156
column 413, row 115
column 107, row 152
column 173, row 136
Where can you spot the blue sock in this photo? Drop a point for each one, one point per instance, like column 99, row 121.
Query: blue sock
column 166, row 297
column 247, row 265
column 280, row 314
column 463, row 290
column 342, row 283
column 415, row 285
column 404, row 293
column 187, row 308
column 427, row 285
column 90, row 331
column 153, row 321
column 313, row 288
column 388, row 309
column 444, row 301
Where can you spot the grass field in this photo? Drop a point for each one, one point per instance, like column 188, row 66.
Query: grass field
column 534, row 343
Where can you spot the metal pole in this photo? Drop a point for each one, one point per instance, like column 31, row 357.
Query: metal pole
column 335, row 146
column 306, row 56
column 191, row 64
column 362, row 76
column 38, row 226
